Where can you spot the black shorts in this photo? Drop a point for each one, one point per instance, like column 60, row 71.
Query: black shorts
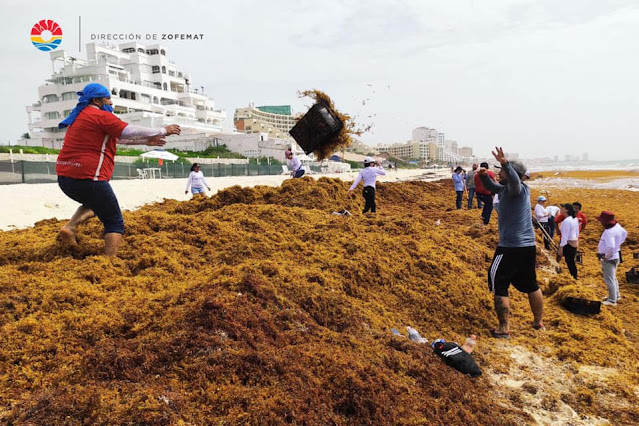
column 514, row 265
column 97, row 196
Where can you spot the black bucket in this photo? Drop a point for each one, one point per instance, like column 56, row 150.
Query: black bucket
column 317, row 127
column 581, row 306
column 632, row 276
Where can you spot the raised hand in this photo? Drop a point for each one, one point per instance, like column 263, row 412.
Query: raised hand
column 157, row 141
column 173, row 129
column 499, row 155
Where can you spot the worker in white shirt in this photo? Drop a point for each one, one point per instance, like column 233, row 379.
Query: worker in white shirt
column 369, row 176
column 196, row 182
column 569, row 237
column 297, row 168
column 553, row 210
column 612, row 238
column 542, row 216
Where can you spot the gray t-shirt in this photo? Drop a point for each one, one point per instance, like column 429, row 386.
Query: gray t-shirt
column 515, row 221
column 470, row 179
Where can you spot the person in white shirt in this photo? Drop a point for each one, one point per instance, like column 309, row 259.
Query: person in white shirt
column 297, row 168
column 569, row 237
column 542, row 216
column 612, row 238
column 196, row 181
column 369, row 176
column 553, row 210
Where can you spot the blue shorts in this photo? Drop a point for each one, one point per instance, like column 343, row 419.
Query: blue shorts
column 97, row 196
column 197, row 190
column 299, row 173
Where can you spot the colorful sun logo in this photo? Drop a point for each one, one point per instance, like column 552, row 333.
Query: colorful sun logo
column 46, row 35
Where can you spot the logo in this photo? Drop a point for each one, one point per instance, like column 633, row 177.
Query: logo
column 46, row 35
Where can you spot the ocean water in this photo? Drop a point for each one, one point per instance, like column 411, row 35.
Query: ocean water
column 534, row 166
column 628, row 184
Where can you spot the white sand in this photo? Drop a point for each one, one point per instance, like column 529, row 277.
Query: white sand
column 24, row 204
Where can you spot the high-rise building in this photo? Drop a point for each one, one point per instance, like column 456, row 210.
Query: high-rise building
column 424, row 134
column 274, row 120
column 466, row 151
column 451, row 146
column 147, row 89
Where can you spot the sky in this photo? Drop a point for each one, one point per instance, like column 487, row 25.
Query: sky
column 538, row 77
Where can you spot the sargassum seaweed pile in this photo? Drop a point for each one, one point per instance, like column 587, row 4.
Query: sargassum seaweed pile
column 258, row 306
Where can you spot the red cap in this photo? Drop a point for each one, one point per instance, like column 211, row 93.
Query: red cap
column 607, row 217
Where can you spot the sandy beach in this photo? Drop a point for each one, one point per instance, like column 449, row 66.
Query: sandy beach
column 25, row 204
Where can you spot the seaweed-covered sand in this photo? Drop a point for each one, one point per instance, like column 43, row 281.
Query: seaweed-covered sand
column 258, row 306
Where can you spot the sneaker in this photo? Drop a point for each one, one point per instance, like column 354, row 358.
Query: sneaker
column 609, row 302
column 539, row 327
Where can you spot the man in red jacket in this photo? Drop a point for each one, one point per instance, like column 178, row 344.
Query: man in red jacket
column 484, row 195
column 85, row 163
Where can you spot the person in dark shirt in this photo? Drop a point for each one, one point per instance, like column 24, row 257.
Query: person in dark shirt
column 458, row 357
column 484, row 195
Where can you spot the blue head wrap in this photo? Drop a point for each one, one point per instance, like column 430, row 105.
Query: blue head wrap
column 442, row 341
column 91, row 91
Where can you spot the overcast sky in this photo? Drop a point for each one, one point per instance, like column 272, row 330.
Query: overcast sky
column 538, row 77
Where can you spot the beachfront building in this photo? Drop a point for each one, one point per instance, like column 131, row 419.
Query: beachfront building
column 429, row 145
column 147, row 89
column 359, row 147
column 275, row 121
column 425, row 134
column 451, row 146
column 465, row 151
column 410, row 150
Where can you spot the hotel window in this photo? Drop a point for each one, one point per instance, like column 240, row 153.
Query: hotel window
column 162, row 52
column 66, row 113
column 52, row 115
column 155, row 69
column 145, row 98
column 67, row 96
column 163, row 69
column 164, row 86
column 141, row 50
column 50, row 98
column 128, row 50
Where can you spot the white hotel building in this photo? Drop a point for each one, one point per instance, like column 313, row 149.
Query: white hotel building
column 147, row 89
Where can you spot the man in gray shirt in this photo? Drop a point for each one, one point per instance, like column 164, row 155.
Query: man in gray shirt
column 470, row 184
column 514, row 260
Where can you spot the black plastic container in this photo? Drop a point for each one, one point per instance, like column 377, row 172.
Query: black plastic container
column 632, row 276
column 581, row 306
column 317, row 127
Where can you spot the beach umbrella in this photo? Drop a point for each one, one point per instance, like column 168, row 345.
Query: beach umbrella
column 161, row 154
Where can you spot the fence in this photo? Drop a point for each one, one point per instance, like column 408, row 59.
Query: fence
column 44, row 172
